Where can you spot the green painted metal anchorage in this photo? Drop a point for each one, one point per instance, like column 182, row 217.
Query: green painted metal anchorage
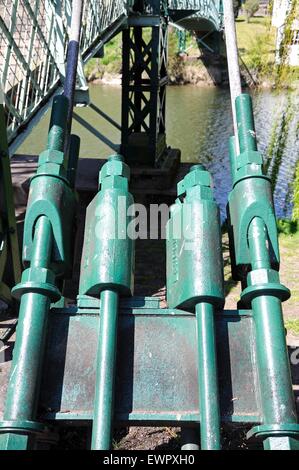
column 106, row 273
column 108, row 253
column 195, row 283
column 251, row 195
column 194, row 257
column 51, row 195
column 254, row 244
column 37, row 288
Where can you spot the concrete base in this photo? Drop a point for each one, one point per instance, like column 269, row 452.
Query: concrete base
column 144, row 180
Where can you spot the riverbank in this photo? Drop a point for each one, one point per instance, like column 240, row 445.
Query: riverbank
column 256, row 41
column 182, row 69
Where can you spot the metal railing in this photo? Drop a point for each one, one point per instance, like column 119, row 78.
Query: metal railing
column 209, row 9
column 33, row 39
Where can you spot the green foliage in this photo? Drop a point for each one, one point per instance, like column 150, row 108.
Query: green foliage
column 292, row 325
column 257, row 57
column 295, row 215
column 287, row 227
column 256, row 42
column 284, row 71
column 278, row 141
column 111, row 63
column 250, row 7
column 275, row 152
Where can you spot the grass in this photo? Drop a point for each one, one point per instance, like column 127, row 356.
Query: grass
column 289, row 274
column 296, row 193
column 111, row 62
column 292, row 326
column 289, row 254
column 256, row 41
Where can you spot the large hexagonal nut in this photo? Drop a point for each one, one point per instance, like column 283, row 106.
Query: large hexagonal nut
column 200, row 192
column 40, row 275
column 263, row 276
column 194, row 178
column 51, row 156
column 115, row 182
column 249, row 157
column 51, row 169
column 114, row 168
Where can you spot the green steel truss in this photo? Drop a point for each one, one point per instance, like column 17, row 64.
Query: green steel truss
column 197, row 14
column 144, row 92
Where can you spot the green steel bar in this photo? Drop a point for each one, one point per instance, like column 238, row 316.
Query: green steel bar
column 73, row 159
column 189, row 439
column 207, row 376
column 57, row 127
column 23, row 387
column 105, row 374
column 8, row 210
column 272, row 355
column 279, row 428
column 258, row 240
column 273, row 362
column 25, row 89
column 9, row 50
column 245, row 123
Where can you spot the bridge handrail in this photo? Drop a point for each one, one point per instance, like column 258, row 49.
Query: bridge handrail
column 33, row 43
column 209, row 9
column 33, row 40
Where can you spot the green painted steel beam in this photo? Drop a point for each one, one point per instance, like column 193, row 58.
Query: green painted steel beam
column 154, row 385
column 10, row 245
column 105, row 374
column 208, row 380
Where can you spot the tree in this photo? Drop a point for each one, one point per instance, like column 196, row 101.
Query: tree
column 237, row 6
column 251, row 7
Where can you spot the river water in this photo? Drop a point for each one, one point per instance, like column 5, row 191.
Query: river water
column 199, row 123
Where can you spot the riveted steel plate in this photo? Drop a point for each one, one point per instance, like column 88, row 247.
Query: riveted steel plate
column 157, row 367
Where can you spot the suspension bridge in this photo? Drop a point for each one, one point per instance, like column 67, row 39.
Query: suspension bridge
column 105, row 357
column 34, row 37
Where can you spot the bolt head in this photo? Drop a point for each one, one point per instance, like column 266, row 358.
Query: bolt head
column 114, row 168
column 196, row 177
column 51, row 156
